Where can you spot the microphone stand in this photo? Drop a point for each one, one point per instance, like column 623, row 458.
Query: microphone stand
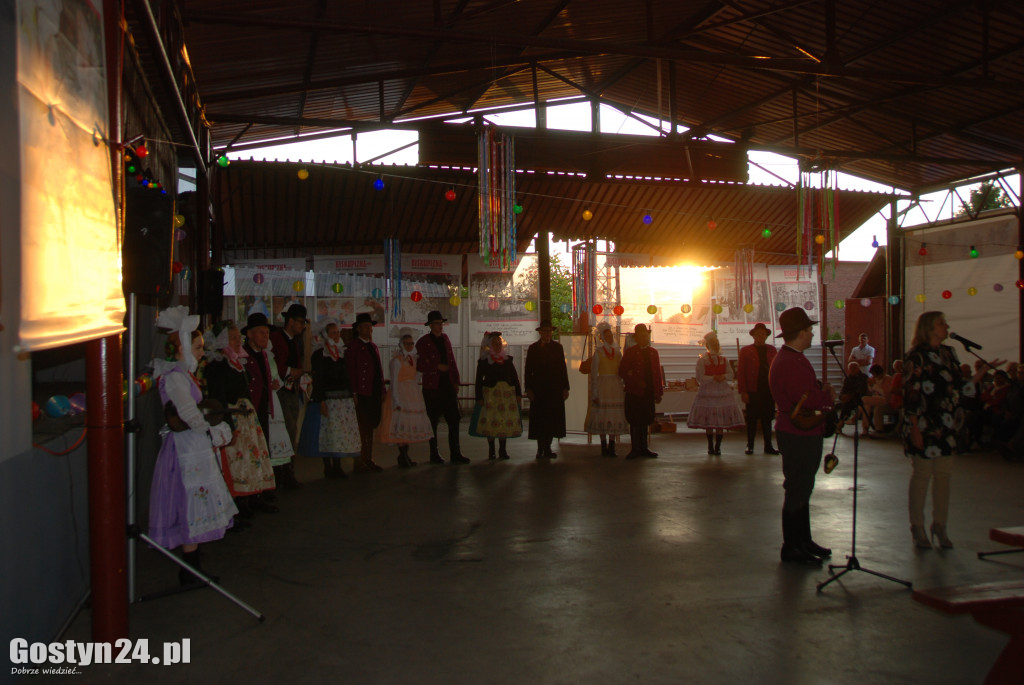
column 852, row 563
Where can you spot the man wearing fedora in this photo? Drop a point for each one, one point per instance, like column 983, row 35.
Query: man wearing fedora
column 440, row 386
column 261, row 384
column 286, row 344
column 795, row 388
column 641, row 377
column 546, row 383
column 366, row 374
column 752, row 374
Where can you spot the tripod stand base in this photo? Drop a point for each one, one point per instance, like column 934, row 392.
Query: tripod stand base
column 204, row 580
column 852, row 564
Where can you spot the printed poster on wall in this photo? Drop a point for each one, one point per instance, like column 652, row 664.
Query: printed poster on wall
column 734, row 321
column 268, row 287
column 349, row 285
column 795, row 286
column 429, row 282
column 505, row 301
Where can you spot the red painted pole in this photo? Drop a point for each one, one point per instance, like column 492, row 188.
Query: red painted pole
column 107, row 526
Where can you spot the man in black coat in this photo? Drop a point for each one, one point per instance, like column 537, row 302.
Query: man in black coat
column 547, row 385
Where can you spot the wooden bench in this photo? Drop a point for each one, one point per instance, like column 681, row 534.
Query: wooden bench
column 996, row 605
column 1014, row 537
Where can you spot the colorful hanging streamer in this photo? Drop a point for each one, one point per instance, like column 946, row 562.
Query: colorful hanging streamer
column 496, row 197
column 393, row 274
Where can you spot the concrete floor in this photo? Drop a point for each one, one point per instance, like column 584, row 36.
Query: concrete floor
column 584, row 569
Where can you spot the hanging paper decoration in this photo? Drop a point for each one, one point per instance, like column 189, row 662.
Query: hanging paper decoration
column 766, row 233
column 177, row 266
column 1020, row 284
column 924, row 249
column 141, row 151
column 257, row 279
column 748, row 308
column 712, row 224
column 298, row 286
column 817, row 224
column 223, row 161
column 530, row 306
column 652, row 309
column 1019, row 254
column 686, row 309
column 998, row 287
column 819, row 239
column 974, row 252
column 874, row 241
column 716, row 308
column 377, row 293
column 618, row 310
column 496, row 192
column 337, row 288
column 648, row 219
column 972, row 291
column 744, row 270
column 809, row 305
column 517, row 208
column 840, row 304
column 186, row 273
column 894, row 299
column 865, row 302
column 302, row 174
column 492, row 304
column 378, row 184
column 780, row 306
column 584, row 277
column 597, row 309
column 565, row 307
column 179, row 220
column 416, row 296
column 946, row 294
column 587, row 215
column 393, row 275
column 455, row 300
column 450, row 195
column 180, row 234
column 920, row 297
column 58, row 405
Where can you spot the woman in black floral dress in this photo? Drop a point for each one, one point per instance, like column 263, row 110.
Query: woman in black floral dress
column 933, row 386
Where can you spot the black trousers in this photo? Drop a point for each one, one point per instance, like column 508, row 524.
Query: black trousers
column 801, row 457
column 368, row 411
column 760, row 408
column 444, row 402
column 640, row 415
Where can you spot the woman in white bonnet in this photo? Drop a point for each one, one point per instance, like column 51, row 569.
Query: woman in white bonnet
column 404, row 419
column 715, row 409
column 498, row 397
column 607, row 412
column 330, row 430
column 189, row 501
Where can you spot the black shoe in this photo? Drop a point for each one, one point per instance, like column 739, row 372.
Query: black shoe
column 541, row 455
column 459, row 459
column 491, row 456
column 435, row 458
column 634, row 455
column 503, row 453
column 750, row 450
column 798, row 555
column 550, row 455
column 649, row 454
column 768, row 450
column 817, row 550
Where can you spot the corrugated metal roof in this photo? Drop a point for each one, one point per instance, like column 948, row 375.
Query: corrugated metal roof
column 913, row 93
column 263, row 209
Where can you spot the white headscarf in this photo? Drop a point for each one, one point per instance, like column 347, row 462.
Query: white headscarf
column 400, row 352
column 177, row 319
column 485, row 348
column 600, row 342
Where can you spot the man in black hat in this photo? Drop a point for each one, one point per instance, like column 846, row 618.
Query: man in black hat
column 752, row 374
column 440, row 386
column 366, row 374
column 546, row 383
column 640, row 371
column 797, row 391
column 261, row 384
column 286, row 344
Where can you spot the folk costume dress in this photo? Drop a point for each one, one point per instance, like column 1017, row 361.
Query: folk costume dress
column 715, row 404
column 337, row 434
column 245, row 462
column 279, row 442
column 608, row 416
column 189, row 501
column 404, row 419
column 497, row 385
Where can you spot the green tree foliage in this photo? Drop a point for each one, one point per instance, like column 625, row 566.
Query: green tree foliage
column 985, row 196
column 561, row 292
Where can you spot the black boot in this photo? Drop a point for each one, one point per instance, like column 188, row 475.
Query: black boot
column 803, row 518
column 768, row 448
column 244, row 510
column 611, row 448
column 502, row 451
column 604, row 446
column 403, row 457
column 286, row 479
column 793, row 551
column 718, row 444
column 711, row 443
column 635, row 443
column 186, row 577
column 490, row 449
column 261, row 504
column 435, row 456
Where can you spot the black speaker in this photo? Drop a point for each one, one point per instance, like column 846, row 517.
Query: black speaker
column 210, row 292
column 148, row 242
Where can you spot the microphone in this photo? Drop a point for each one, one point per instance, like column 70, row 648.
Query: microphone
column 968, row 344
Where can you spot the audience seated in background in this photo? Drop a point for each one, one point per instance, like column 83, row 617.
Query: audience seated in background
column 876, row 402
